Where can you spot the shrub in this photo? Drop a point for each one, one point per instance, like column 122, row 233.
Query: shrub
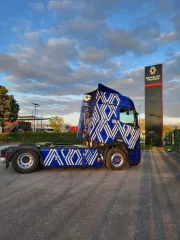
column 67, row 137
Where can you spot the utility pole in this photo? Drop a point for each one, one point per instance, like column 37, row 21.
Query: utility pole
column 139, row 113
column 37, row 118
column 41, row 118
column 35, row 108
column 32, row 117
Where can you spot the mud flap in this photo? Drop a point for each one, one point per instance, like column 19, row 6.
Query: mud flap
column 7, row 163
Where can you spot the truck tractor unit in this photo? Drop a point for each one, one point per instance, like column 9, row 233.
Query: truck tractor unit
column 108, row 128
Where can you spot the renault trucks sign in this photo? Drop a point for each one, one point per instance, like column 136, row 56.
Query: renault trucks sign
column 153, row 74
column 153, row 105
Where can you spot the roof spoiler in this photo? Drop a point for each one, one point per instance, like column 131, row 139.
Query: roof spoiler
column 103, row 88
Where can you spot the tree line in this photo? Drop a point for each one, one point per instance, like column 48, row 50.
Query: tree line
column 9, row 108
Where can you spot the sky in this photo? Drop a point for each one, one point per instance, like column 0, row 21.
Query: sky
column 52, row 52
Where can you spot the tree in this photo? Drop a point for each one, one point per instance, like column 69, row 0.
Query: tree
column 14, row 106
column 167, row 129
column 56, row 123
column 9, row 108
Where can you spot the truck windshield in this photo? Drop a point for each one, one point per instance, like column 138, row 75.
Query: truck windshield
column 128, row 117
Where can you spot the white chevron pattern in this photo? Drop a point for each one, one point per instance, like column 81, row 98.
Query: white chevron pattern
column 90, row 156
column 52, row 155
column 101, row 118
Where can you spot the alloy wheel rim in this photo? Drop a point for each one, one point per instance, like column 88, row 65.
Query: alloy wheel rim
column 25, row 160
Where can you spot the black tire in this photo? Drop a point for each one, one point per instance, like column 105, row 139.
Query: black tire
column 30, row 163
column 111, row 157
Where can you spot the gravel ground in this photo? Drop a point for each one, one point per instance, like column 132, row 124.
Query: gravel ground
column 140, row 202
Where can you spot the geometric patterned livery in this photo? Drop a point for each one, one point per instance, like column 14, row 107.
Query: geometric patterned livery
column 103, row 124
column 106, row 124
column 64, row 157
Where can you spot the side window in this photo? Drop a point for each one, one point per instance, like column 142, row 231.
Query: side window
column 127, row 117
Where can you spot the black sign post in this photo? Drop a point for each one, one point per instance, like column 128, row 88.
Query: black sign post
column 153, row 106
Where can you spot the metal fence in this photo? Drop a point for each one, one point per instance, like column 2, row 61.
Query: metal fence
column 173, row 138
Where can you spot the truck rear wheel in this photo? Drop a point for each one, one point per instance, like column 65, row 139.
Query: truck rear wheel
column 25, row 161
column 116, row 159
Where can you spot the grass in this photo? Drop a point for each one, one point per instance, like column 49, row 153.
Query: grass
column 173, row 148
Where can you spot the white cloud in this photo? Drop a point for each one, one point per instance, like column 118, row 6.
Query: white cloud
column 60, row 5
column 93, row 54
column 53, row 42
column 81, row 24
column 18, row 55
column 32, row 35
column 10, row 78
column 38, row 6
column 120, row 41
column 169, row 37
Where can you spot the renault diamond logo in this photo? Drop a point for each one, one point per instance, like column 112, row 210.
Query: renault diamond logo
column 152, row 70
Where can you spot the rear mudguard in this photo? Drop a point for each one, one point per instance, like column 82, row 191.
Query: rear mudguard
column 24, row 147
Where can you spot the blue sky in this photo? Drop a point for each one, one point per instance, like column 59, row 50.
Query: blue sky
column 53, row 52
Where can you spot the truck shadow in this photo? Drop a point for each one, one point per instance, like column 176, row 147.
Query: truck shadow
column 104, row 218
column 73, row 169
column 56, row 231
column 149, row 209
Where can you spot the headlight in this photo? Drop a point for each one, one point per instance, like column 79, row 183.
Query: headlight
column 87, row 97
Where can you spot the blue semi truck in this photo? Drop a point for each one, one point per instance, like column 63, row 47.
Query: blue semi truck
column 108, row 126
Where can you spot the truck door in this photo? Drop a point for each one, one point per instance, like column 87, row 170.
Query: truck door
column 129, row 128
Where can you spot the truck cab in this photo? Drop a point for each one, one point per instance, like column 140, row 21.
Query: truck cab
column 110, row 119
column 108, row 127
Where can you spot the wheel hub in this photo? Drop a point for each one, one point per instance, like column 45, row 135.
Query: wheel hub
column 25, row 160
column 116, row 160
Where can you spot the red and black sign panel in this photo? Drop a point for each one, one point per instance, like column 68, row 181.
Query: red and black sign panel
column 153, row 105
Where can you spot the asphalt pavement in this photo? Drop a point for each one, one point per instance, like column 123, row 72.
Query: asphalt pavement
column 141, row 202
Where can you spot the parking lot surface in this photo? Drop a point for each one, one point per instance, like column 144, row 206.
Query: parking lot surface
column 140, row 202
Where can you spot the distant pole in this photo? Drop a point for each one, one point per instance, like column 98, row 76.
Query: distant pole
column 139, row 113
column 35, row 108
column 41, row 121
column 32, row 118
column 37, row 118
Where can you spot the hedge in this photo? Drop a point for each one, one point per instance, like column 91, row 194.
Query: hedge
column 67, row 137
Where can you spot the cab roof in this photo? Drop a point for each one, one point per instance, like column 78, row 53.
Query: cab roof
column 125, row 101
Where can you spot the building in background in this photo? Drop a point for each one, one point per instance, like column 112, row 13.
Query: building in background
column 73, row 128
column 17, row 127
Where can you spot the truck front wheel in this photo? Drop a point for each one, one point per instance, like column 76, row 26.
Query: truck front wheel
column 116, row 159
column 25, row 161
